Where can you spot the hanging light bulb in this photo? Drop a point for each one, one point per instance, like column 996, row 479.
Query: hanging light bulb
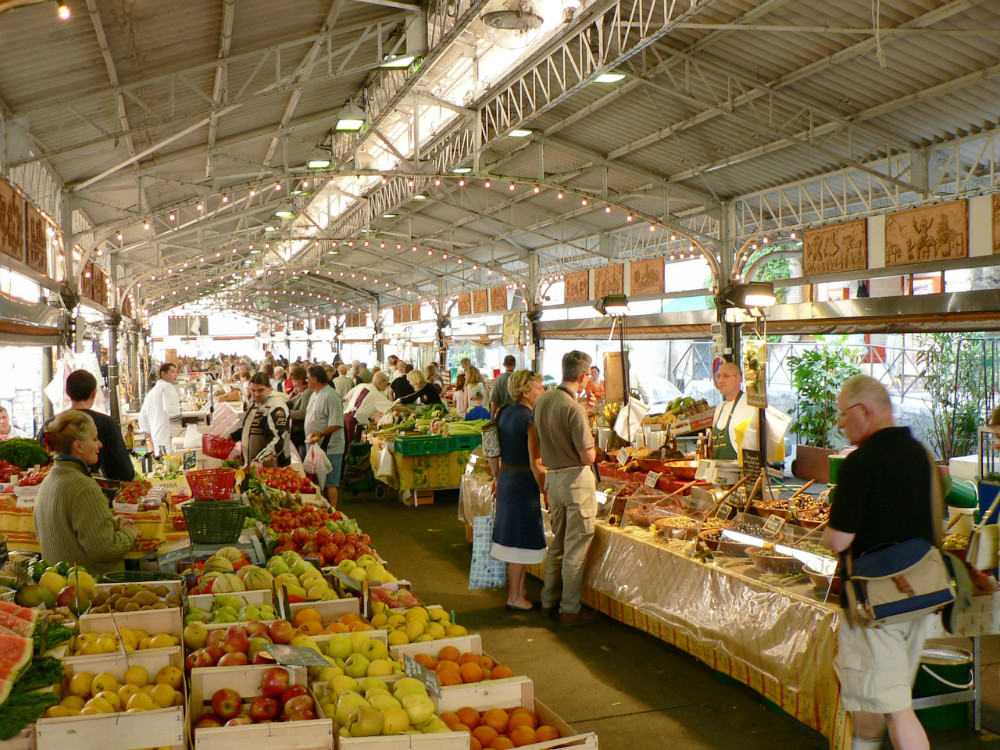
column 173, row 217
column 146, row 226
column 461, row 183
column 63, row 12
column 487, row 184
column 559, row 195
column 512, row 187
column 225, row 197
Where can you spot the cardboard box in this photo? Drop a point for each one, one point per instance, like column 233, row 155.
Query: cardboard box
column 316, row 734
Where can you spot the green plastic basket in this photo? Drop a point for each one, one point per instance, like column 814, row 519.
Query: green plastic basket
column 211, row 522
column 422, row 446
column 138, row 576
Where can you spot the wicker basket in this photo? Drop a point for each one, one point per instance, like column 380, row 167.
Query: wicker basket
column 212, row 484
column 217, row 446
column 210, row 522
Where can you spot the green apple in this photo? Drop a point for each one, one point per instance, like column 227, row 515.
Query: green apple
column 346, row 566
column 343, row 683
column 382, row 701
column 364, row 721
column 347, row 703
column 408, row 686
column 419, row 707
column 394, row 720
column 379, row 668
column 327, row 674
column 358, row 640
column 375, row 649
column 371, row 683
column 339, row 647
column 356, row 666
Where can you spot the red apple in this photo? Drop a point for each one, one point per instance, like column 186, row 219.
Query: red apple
column 233, row 659
column 297, row 704
column 292, row 691
column 264, row 708
column 274, row 682
column 257, row 629
column 236, row 639
column 281, row 631
column 197, row 659
column 214, row 637
column 237, row 720
column 338, row 537
column 214, row 652
column 208, row 720
column 308, row 715
column 227, row 703
column 262, row 657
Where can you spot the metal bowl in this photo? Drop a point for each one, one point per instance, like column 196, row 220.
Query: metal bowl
column 682, row 469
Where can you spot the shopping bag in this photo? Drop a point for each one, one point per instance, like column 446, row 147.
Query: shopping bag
column 386, row 466
column 486, row 571
column 316, row 462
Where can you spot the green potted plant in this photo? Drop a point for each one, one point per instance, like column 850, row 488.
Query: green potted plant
column 817, row 375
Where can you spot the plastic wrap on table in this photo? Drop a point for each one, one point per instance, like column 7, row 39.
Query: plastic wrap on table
column 475, row 497
column 781, row 642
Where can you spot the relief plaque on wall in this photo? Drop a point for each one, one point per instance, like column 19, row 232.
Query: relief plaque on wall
column 498, row 298
column 401, row 314
column 836, row 248
column 927, row 234
column 465, row 304
column 11, row 221
column 609, row 280
column 415, row 312
column 36, row 240
column 996, row 223
column 480, row 301
column 577, row 286
column 646, row 276
column 87, row 281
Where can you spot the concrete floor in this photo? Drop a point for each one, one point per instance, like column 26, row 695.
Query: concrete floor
column 633, row 690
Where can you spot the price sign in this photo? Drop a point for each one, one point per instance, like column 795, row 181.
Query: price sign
column 265, row 533
column 622, row 456
column 773, row 524
column 420, row 672
column 190, row 459
column 724, row 512
column 297, row 656
column 751, row 463
column 651, row 479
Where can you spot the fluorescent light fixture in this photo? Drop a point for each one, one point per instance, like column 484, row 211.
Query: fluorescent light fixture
column 396, row 62
column 520, row 133
column 318, row 163
column 284, row 213
column 609, row 77
column 270, row 229
column 419, row 197
column 613, row 305
column 753, row 294
column 351, row 118
column 461, row 170
column 389, row 216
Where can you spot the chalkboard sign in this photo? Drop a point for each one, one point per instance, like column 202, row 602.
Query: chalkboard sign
column 190, row 459
column 295, row 656
column 420, row 672
column 651, row 479
column 773, row 525
column 623, row 456
column 751, row 463
column 724, row 512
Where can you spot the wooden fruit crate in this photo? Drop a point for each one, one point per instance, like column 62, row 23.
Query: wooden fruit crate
column 23, row 740
column 463, row 643
column 257, row 596
column 316, row 734
column 162, row 727
column 518, row 691
column 151, row 620
column 331, row 610
column 421, row 497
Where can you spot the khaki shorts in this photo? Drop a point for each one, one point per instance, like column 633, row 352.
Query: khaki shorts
column 877, row 666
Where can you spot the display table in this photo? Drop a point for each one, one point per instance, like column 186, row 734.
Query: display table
column 779, row 641
column 431, row 472
column 18, row 525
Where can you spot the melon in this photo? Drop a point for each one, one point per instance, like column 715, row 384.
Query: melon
column 218, row 564
column 23, row 628
column 227, row 583
column 257, row 578
column 232, row 554
column 25, row 613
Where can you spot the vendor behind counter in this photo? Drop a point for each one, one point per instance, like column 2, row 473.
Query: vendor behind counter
column 733, row 410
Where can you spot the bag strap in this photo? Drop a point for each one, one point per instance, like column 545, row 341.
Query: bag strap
column 937, row 499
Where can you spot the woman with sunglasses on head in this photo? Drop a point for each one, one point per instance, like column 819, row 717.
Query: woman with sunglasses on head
column 518, row 534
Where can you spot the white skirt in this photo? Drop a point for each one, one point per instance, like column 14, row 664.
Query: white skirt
column 517, row 555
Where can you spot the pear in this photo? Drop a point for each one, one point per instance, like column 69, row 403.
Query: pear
column 382, row 700
column 343, row 684
column 407, row 686
column 434, row 724
column 347, row 703
column 365, row 721
column 394, row 720
column 419, row 707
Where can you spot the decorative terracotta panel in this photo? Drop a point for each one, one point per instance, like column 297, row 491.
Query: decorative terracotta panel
column 609, row 280
column 498, row 298
column 923, row 235
column 464, row 304
column 646, row 276
column 480, row 301
column 415, row 312
column 577, row 286
column 36, row 241
column 11, row 221
column 836, row 248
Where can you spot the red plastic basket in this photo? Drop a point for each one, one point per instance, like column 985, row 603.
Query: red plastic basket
column 212, row 484
column 217, row 446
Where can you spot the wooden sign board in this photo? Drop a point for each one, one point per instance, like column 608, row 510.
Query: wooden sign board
column 614, row 381
column 646, row 276
column 465, row 304
column 836, row 248
column 512, row 329
column 402, row 314
column 923, row 235
column 498, row 298
column 127, row 307
column 415, row 312
column 577, row 287
column 480, row 301
column 11, row 221
column 609, row 280
column 36, row 239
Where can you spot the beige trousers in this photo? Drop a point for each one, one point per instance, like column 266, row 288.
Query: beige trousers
column 573, row 507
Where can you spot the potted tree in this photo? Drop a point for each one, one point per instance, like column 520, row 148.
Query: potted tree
column 817, row 375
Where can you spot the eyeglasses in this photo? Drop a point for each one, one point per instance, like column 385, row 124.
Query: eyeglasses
column 842, row 413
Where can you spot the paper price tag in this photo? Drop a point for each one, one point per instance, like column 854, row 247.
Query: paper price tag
column 724, row 512
column 773, row 524
column 190, row 459
column 651, row 479
column 622, row 456
column 420, row 672
column 297, row 656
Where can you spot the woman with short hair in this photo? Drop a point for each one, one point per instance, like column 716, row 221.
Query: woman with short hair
column 423, row 392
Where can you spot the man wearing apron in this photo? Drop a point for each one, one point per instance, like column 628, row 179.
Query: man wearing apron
column 733, row 410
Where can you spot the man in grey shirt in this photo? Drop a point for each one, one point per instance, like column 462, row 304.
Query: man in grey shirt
column 325, row 425
column 500, row 397
column 342, row 383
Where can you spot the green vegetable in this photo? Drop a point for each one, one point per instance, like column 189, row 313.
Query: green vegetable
column 24, row 453
column 21, row 709
column 50, row 636
column 40, row 673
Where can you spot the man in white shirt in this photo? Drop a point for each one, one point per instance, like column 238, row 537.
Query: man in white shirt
column 324, row 424
column 8, row 430
column 376, row 402
column 161, row 410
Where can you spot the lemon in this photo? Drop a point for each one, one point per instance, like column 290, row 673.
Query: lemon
column 162, row 640
column 89, row 710
column 170, row 675
column 147, row 688
column 57, row 712
column 112, row 698
column 91, row 648
column 100, row 704
column 144, row 643
column 139, row 634
column 127, row 691
column 72, row 701
column 136, row 675
column 163, row 695
column 79, row 684
column 104, row 681
column 128, row 638
column 140, row 702
column 107, row 644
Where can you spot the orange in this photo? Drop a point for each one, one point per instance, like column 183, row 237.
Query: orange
column 349, row 618
column 486, row 662
column 544, row 733
column 468, row 658
column 311, row 627
column 471, row 672
column 425, row 660
column 485, row 735
column 450, row 718
column 521, row 719
column 500, row 672
column 306, row 614
column 524, row 710
column 355, row 627
column 522, row 735
column 502, row 742
column 447, row 664
column 474, row 744
column 461, row 728
column 497, row 719
column 449, row 677
column 448, row 653
column 468, row 716
column 337, row 627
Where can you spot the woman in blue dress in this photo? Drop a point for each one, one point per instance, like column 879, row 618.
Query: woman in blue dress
column 518, row 534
